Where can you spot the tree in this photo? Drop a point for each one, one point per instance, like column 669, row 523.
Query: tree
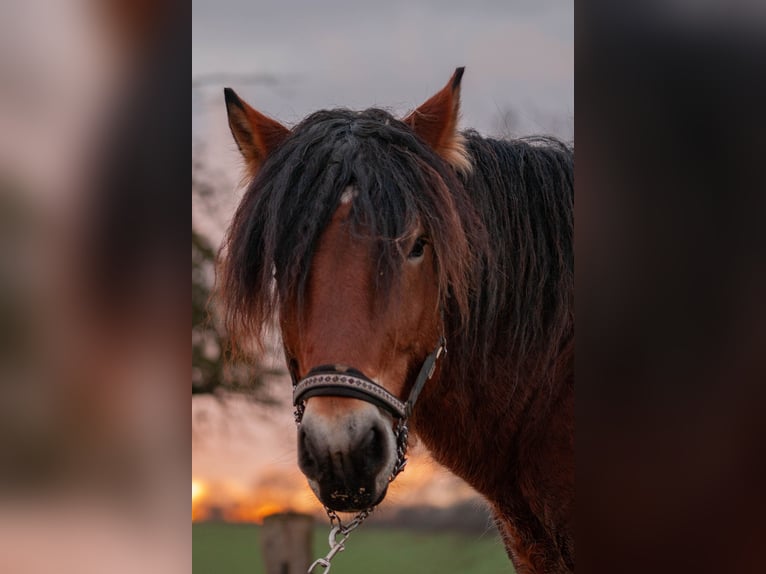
column 214, row 369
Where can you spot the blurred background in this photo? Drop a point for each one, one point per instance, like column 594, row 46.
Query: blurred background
column 95, row 448
column 94, row 359
column 288, row 59
column 95, row 441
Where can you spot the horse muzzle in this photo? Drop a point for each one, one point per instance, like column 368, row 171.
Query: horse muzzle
column 347, row 446
column 347, row 455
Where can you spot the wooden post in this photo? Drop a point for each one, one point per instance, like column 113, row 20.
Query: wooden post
column 286, row 543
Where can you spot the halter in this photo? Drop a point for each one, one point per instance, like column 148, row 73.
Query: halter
column 335, row 381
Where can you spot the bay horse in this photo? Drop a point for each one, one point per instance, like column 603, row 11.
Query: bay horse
column 375, row 244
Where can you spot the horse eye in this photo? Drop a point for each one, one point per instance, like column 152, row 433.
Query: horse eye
column 418, row 248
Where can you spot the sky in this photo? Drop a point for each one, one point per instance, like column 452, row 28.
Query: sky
column 518, row 55
column 288, row 59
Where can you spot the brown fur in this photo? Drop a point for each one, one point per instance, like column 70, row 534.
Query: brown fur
column 343, row 321
column 501, row 419
column 460, row 424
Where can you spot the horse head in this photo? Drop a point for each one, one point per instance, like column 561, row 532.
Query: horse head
column 357, row 217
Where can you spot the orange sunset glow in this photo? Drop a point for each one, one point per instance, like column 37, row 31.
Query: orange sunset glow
column 244, row 466
column 232, row 503
column 423, row 482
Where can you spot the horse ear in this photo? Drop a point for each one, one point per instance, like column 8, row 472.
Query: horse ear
column 435, row 121
column 256, row 135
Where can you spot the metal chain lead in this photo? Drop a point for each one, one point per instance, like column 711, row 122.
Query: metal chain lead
column 337, row 528
column 338, row 544
column 402, row 433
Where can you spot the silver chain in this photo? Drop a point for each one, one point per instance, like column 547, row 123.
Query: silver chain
column 402, row 432
column 338, row 529
column 339, row 534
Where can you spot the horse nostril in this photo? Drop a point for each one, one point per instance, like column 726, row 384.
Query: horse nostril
column 369, row 438
column 306, row 460
column 371, row 450
column 375, row 440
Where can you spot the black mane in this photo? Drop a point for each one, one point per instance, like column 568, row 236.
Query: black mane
column 502, row 234
column 524, row 309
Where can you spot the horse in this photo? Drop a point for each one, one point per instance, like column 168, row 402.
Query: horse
column 421, row 277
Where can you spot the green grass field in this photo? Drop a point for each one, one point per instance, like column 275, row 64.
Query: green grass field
column 233, row 549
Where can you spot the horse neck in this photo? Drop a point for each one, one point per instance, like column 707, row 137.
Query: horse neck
column 509, row 371
column 479, row 428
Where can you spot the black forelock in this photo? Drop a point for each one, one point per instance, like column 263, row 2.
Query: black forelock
column 399, row 181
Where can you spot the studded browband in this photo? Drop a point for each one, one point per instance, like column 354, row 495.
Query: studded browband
column 329, row 380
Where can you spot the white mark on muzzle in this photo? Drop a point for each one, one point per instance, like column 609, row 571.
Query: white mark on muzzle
column 338, row 433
